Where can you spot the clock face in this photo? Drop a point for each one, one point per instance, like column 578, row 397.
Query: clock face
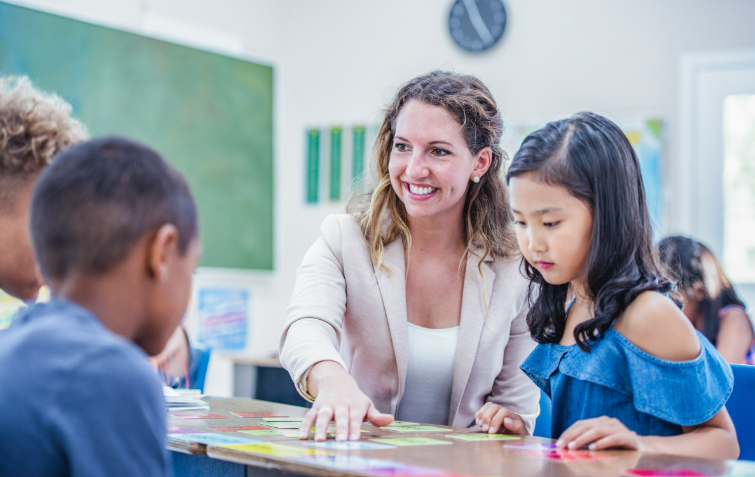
column 476, row 25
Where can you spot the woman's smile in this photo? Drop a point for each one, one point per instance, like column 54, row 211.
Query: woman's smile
column 420, row 191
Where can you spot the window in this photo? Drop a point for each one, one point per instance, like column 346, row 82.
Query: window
column 739, row 187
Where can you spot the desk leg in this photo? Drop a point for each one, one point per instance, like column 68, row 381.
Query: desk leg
column 187, row 465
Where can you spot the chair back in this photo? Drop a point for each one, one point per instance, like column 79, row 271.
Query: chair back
column 543, row 423
column 741, row 407
column 204, row 361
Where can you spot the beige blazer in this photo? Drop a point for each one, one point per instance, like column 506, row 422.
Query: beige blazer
column 343, row 311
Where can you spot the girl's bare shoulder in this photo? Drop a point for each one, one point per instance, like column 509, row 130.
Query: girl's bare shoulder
column 654, row 323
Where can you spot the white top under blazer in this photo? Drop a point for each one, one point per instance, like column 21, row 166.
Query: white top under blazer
column 429, row 375
column 343, row 310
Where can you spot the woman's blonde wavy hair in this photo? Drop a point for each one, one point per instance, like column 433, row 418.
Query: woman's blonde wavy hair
column 34, row 126
column 382, row 216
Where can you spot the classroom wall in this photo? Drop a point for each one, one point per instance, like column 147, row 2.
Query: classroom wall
column 337, row 62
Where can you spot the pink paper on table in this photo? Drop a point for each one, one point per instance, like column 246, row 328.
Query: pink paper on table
column 258, row 414
column 181, row 430
column 664, row 473
column 199, row 416
column 532, row 447
column 239, row 428
column 563, row 455
column 372, row 466
column 405, row 471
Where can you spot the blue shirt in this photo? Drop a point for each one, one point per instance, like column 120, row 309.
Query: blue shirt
column 649, row 395
column 77, row 399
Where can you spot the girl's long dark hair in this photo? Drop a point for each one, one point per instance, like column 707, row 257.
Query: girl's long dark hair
column 683, row 259
column 592, row 159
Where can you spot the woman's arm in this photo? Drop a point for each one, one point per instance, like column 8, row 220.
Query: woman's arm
column 338, row 397
column 311, row 342
column 315, row 315
column 735, row 335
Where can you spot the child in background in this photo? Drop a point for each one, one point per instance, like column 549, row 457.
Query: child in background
column 114, row 230
column 622, row 364
column 710, row 302
column 34, row 126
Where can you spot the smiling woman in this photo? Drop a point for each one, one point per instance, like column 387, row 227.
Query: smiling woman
column 371, row 333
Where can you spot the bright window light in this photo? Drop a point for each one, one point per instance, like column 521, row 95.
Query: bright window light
column 739, row 187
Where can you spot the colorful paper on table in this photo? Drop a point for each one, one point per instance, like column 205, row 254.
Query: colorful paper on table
column 402, row 423
column 664, row 473
column 283, row 419
column 284, row 425
column 532, row 447
column 214, row 439
column 408, row 471
column 410, row 441
column 563, row 455
column 239, row 428
column 266, row 432
column 278, row 450
column 199, row 416
column 181, row 430
column 417, row 429
column 295, row 434
column 258, row 414
column 350, row 445
column 482, row 437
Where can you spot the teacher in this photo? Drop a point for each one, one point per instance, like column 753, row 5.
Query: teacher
column 413, row 304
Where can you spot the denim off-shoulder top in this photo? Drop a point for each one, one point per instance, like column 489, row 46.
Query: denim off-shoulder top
column 649, row 395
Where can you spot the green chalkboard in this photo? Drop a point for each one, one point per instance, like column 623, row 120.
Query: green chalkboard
column 210, row 115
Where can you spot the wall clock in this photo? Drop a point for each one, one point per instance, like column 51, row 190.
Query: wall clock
column 477, row 25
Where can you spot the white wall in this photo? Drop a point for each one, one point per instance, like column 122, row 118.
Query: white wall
column 339, row 61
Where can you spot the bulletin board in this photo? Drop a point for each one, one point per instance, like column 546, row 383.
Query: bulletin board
column 208, row 114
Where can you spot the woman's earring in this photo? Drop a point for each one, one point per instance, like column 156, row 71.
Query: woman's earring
column 475, row 179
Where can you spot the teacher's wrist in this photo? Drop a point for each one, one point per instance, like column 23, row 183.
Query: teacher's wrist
column 322, row 373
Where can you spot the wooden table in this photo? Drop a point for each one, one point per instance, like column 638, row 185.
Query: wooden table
column 489, row 458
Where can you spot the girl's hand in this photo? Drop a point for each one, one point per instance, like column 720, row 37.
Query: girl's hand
column 338, row 398
column 492, row 418
column 600, row 433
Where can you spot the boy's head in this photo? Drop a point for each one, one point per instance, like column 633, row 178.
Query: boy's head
column 112, row 211
column 34, row 126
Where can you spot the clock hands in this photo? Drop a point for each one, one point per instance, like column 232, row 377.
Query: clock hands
column 478, row 23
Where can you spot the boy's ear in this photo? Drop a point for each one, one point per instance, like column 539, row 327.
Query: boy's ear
column 160, row 251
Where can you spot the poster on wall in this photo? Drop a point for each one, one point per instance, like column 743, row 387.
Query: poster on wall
column 646, row 136
column 222, row 317
column 336, row 161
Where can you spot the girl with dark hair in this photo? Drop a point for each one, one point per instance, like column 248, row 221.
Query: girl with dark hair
column 620, row 361
column 710, row 302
